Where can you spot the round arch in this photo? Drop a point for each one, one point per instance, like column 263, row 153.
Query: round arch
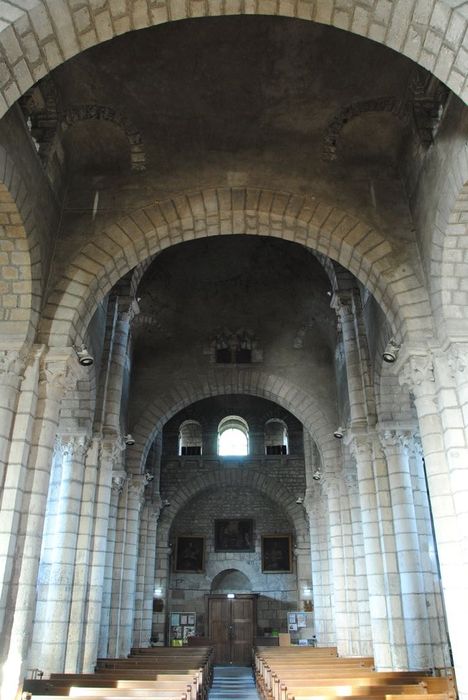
column 37, row 39
column 305, row 407
column 228, row 580
column 305, row 220
column 249, row 478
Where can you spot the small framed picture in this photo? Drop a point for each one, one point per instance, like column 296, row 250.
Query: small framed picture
column 190, row 553
column 276, row 554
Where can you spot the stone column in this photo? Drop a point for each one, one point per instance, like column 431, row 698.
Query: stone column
column 135, row 498
column 145, row 576
column 362, row 449
column 357, row 590
column 55, row 627
column 416, row 372
column 14, row 483
column 438, row 634
column 12, row 366
column 413, row 600
column 332, row 487
column 342, row 302
column 59, row 374
column 317, row 512
column 110, row 452
column 118, row 482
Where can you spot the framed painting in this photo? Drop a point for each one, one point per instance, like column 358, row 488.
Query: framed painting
column 234, row 535
column 190, row 554
column 276, row 554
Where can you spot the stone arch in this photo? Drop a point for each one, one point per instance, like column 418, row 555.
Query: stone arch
column 304, row 220
column 256, row 481
column 390, row 105
column 233, row 580
column 305, row 407
column 20, row 258
column 83, row 113
column 37, row 39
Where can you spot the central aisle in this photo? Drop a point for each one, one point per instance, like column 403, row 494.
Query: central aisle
column 233, row 682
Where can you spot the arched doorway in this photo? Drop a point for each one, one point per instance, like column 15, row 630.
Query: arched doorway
column 232, row 617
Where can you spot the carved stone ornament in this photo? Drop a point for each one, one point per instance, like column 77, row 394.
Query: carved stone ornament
column 416, row 370
column 74, row 446
column 60, row 375
column 457, row 358
column 11, row 367
column 118, row 481
column 111, row 448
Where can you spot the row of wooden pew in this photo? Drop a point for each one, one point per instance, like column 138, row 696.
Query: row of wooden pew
column 305, row 673
column 159, row 673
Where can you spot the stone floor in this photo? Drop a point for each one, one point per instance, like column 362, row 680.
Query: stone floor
column 233, row 682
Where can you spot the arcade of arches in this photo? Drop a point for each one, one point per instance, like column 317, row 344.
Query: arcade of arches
column 255, row 225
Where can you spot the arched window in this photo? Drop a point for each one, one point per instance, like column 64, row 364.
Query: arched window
column 233, row 437
column 276, row 437
column 190, row 438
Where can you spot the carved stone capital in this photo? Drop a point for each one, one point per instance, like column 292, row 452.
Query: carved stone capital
column 60, row 373
column 74, row 446
column 12, row 365
column 136, row 487
column 111, row 448
column 415, row 371
column 360, row 447
column 342, row 303
column 118, row 481
column 457, row 358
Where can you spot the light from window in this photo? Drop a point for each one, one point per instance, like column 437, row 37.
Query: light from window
column 233, row 442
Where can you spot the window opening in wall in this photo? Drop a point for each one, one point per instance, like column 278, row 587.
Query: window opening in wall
column 190, row 438
column 276, row 437
column 233, row 437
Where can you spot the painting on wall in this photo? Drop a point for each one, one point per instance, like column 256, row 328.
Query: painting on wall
column 190, row 554
column 276, row 554
column 234, row 535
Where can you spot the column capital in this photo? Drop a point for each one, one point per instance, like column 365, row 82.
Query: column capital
column 74, row 445
column 119, row 477
column 12, row 366
column 112, row 445
column 360, row 444
column 60, row 372
column 457, row 358
column 342, row 302
column 137, row 485
column 394, row 439
column 415, row 369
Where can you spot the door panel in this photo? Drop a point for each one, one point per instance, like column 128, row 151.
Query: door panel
column 219, row 629
column 231, row 628
column 242, row 631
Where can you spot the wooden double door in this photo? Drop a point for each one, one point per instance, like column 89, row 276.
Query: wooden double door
column 231, row 628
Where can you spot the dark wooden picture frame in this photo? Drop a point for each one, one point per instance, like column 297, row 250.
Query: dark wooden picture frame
column 190, row 554
column 276, row 554
column 234, row 535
